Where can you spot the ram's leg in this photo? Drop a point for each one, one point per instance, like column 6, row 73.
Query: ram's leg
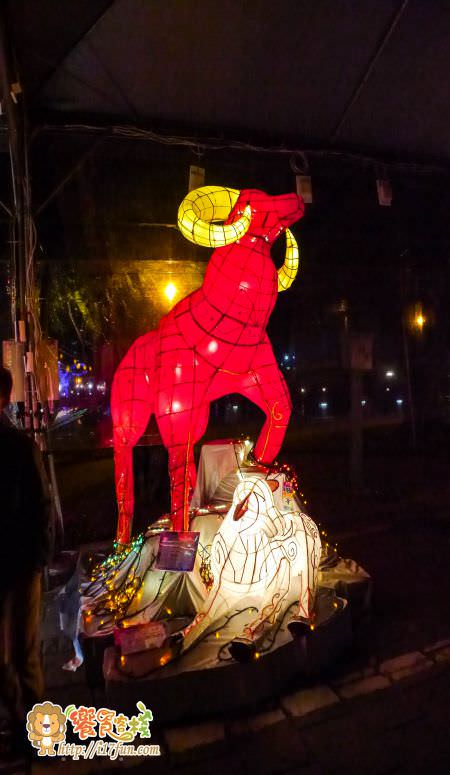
column 308, row 539
column 215, row 607
column 131, row 409
column 273, row 602
column 181, row 425
column 265, row 387
column 179, row 464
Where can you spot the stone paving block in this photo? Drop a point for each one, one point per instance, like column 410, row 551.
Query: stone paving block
column 440, row 644
column 405, row 665
column 254, row 723
column 443, row 655
column 409, row 671
column 180, row 739
column 411, row 659
column 239, row 727
column 272, row 750
column 263, row 720
column 366, row 686
column 308, row 700
column 356, row 675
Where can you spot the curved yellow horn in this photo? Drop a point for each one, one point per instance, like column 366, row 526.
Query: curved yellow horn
column 287, row 273
column 202, row 207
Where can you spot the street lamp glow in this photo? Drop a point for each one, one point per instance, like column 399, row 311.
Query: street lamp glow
column 170, row 291
column 390, row 374
column 419, row 320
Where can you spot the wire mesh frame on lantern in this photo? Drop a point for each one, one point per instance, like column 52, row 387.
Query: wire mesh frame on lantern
column 212, row 343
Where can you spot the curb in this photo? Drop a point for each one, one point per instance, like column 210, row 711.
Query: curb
column 303, row 703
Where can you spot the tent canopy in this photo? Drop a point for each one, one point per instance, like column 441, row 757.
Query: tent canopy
column 369, row 76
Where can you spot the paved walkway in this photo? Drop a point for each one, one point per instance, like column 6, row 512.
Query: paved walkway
column 385, row 718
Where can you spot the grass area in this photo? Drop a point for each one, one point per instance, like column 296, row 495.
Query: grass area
column 397, row 481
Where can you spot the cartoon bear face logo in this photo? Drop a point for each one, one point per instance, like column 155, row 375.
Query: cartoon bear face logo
column 46, row 725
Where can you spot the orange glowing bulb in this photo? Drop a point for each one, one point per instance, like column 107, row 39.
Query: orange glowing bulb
column 170, row 291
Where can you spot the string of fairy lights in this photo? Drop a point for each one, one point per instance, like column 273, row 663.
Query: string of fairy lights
column 115, row 600
column 222, row 655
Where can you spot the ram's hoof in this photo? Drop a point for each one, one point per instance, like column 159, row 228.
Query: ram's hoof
column 175, row 643
column 299, row 627
column 242, row 649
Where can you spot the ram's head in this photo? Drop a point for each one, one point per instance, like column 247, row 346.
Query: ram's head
column 214, row 216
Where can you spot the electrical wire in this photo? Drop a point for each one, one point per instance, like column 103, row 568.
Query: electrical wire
column 199, row 146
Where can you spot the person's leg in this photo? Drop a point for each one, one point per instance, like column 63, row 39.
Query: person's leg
column 26, row 623
column 10, row 688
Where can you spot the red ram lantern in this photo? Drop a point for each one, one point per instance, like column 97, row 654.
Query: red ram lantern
column 212, row 343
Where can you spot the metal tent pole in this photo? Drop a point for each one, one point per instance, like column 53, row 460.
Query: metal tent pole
column 26, row 324
column 13, row 108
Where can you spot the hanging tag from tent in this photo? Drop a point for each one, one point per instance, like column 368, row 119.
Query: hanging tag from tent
column 304, row 188
column 196, row 177
column 384, row 191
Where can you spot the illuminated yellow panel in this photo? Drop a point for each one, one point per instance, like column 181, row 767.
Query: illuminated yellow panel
column 201, row 209
column 288, row 272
